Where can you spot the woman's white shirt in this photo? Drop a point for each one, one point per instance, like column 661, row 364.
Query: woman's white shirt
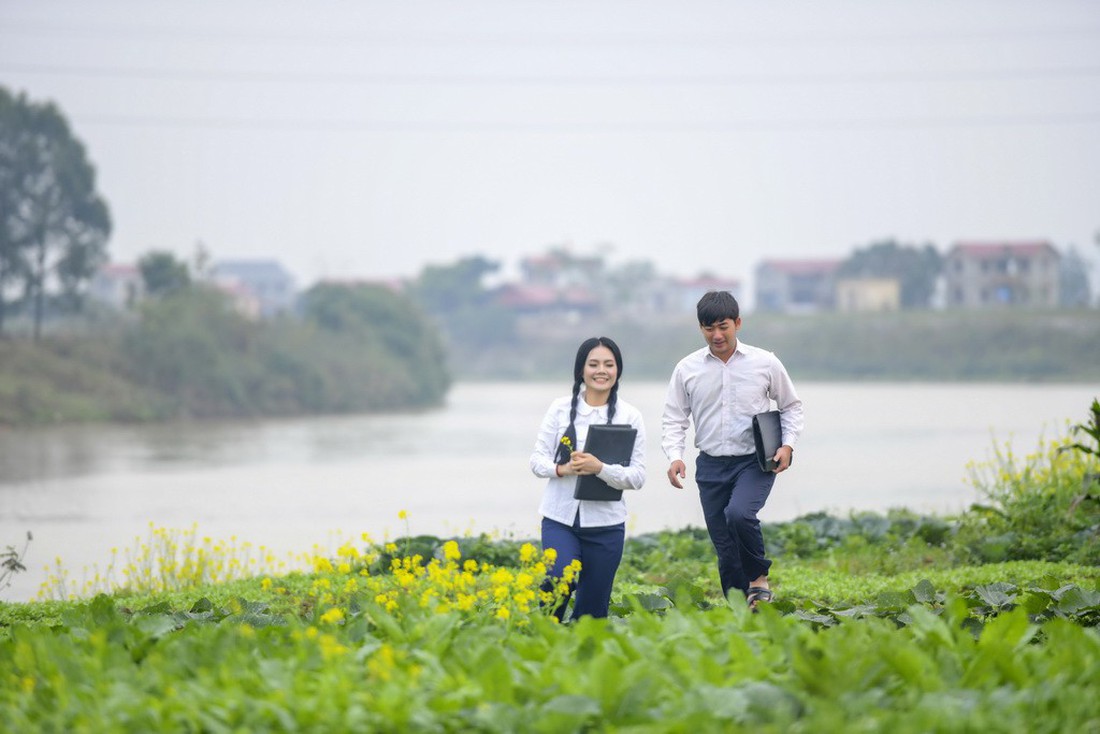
column 557, row 498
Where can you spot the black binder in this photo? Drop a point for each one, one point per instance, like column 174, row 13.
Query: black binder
column 611, row 444
column 767, row 434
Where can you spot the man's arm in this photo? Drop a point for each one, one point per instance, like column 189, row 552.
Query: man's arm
column 674, row 425
column 790, row 414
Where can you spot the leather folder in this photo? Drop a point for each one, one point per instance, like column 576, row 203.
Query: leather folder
column 767, row 434
column 611, row 444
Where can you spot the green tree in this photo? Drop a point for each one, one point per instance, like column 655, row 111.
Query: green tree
column 458, row 298
column 916, row 268
column 162, row 274
column 387, row 340
column 55, row 224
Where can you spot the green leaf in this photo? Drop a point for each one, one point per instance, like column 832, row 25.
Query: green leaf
column 997, row 595
column 924, row 592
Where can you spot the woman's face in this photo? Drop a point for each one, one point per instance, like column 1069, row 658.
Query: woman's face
column 600, row 370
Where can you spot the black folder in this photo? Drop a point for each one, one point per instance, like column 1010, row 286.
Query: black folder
column 611, row 444
column 767, row 434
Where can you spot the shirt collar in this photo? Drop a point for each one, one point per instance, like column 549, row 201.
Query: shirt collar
column 584, row 408
column 739, row 348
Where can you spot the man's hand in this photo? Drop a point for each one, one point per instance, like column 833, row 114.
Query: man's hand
column 783, row 459
column 676, row 472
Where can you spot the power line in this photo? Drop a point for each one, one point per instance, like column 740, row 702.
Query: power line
column 543, row 39
column 482, row 127
column 597, row 80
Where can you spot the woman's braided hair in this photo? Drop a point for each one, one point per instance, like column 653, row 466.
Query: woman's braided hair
column 578, row 379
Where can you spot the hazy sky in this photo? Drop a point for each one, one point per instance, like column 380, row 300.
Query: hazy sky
column 367, row 139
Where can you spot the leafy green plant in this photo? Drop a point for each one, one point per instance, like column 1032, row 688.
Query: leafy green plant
column 11, row 562
column 1090, row 483
column 1029, row 508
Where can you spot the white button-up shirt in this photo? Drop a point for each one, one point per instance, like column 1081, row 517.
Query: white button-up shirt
column 723, row 397
column 557, row 498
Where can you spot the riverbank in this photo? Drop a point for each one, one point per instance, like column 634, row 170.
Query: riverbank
column 281, row 370
column 912, row 346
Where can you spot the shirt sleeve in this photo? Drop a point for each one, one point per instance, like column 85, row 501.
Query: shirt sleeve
column 675, row 418
column 632, row 476
column 786, row 400
column 546, row 447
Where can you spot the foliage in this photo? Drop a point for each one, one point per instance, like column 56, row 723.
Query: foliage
column 166, row 560
column 11, row 562
column 1034, row 507
column 190, row 353
column 916, row 268
column 923, row 346
column 389, row 353
column 449, row 644
column 68, row 379
column 53, row 222
column 456, row 295
column 162, row 274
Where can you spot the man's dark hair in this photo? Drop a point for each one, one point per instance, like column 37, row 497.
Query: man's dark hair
column 715, row 306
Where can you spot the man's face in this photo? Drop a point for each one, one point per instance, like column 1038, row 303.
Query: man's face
column 721, row 337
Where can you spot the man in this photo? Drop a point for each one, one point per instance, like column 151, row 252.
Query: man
column 722, row 386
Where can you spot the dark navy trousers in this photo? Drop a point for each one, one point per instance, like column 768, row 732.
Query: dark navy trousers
column 732, row 490
column 599, row 550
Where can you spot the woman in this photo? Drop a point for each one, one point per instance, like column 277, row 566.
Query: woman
column 591, row 531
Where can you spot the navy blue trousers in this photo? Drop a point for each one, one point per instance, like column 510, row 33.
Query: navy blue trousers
column 599, row 550
column 732, row 490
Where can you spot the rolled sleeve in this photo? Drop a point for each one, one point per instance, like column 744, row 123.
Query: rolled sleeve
column 675, row 418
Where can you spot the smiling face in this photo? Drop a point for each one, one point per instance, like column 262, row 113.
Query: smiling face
column 721, row 337
column 600, row 373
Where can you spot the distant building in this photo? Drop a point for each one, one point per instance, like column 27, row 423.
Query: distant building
column 796, row 286
column 266, row 281
column 681, row 295
column 1002, row 274
column 868, row 294
column 117, row 285
column 561, row 269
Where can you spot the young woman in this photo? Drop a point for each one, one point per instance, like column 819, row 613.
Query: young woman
column 591, row 531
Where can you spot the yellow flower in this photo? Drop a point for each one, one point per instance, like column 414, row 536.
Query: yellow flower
column 402, row 515
column 451, row 551
column 526, row 552
column 332, row 616
column 503, row 613
column 567, row 443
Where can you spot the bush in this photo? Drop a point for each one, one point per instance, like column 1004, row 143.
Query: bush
column 1039, row 506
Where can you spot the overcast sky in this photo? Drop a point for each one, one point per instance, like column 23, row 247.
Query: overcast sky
column 367, row 139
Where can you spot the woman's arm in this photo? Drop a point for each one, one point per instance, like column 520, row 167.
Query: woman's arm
column 546, row 443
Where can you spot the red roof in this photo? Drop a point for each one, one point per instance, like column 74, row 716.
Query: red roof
column 983, row 250
column 528, row 296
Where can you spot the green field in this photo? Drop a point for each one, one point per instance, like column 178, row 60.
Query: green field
column 901, row 623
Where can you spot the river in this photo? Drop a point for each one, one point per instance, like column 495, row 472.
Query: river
column 292, row 485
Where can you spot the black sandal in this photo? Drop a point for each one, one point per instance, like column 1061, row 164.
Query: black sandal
column 758, row 595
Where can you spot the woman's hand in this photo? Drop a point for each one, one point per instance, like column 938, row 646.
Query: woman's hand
column 581, row 463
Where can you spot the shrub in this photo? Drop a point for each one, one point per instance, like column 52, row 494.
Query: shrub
column 1034, row 506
